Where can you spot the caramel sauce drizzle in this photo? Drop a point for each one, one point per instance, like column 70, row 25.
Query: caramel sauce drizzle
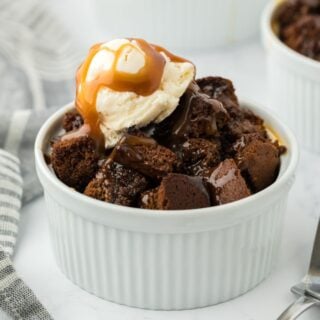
column 144, row 82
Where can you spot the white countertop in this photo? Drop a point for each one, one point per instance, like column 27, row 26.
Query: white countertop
column 34, row 259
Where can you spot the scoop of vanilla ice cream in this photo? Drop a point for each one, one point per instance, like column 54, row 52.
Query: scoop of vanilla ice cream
column 119, row 111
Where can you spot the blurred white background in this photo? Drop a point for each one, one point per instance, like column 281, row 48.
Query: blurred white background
column 243, row 62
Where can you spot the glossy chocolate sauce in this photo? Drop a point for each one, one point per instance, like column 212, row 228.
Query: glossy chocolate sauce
column 186, row 115
column 126, row 149
column 220, row 182
column 215, row 184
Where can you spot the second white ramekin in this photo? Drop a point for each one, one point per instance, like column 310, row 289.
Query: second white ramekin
column 166, row 260
column 182, row 24
column 294, row 85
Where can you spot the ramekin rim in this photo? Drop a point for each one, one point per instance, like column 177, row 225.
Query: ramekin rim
column 278, row 184
column 267, row 30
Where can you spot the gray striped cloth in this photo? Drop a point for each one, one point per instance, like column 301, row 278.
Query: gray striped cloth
column 37, row 65
column 16, row 299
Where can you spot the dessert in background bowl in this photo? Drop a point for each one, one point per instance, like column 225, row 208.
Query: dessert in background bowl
column 291, row 35
column 297, row 23
column 164, row 192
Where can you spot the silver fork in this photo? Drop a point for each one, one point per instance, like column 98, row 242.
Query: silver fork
column 309, row 288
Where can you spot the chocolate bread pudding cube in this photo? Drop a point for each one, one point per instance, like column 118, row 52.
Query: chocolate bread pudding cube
column 117, row 184
column 75, row 160
column 177, row 192
column 199, row 155
column 242, row 122
column 258, row 159
column 148, row 199
column 72, row 120
column 200, row 116
column 144, row 155
column 220, row 89
column 226, row 183
column 197, row 116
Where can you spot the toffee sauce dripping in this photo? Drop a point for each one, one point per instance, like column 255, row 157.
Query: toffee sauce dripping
column 144, row 82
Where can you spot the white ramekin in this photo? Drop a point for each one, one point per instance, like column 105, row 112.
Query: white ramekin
column 294, row 85
column 166, row 260
column 182, row 24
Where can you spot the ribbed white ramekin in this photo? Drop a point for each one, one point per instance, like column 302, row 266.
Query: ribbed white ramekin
column 294, row 85
column 166, row 259
column 186, row 24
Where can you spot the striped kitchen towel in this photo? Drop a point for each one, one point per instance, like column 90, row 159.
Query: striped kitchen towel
column 38, row 61
column 16, row 299
column 10, row 200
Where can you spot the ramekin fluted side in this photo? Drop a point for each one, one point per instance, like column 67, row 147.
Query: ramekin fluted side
column 294, row 85
column 297, row 100
column 166, row 271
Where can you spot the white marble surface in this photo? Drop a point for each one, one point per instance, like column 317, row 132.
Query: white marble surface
column 34, row 260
